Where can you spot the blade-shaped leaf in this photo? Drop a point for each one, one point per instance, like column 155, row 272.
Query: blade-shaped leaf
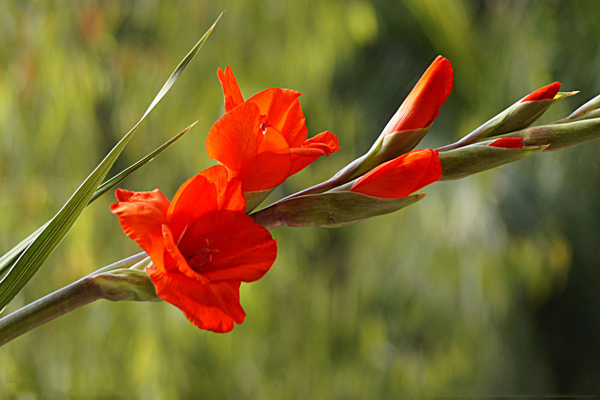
column 10, row 257
column 121, row 176
column 52, row 234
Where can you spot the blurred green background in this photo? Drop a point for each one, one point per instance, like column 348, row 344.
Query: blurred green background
column 488, row 287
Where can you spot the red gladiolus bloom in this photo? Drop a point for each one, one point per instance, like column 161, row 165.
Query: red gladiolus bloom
column 263, row 140
column 202, row 245
column 422, row 105
column 547, row 92
column 508, row 143
column 401, row 176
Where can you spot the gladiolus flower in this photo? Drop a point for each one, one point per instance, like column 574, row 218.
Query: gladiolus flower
column 422, row 106
column 202, row 245
column 263, row 140
column 401, row 176
column 546, row 93
column 508, row 143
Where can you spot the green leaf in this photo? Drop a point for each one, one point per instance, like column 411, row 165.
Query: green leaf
column 9, row 258
column 329, row 210
column 121, row 176
column 53, row 233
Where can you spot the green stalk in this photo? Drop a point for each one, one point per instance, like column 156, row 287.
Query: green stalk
column 114, row 282
column 69, row 298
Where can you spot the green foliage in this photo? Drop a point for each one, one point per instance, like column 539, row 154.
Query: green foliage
column 487, row 287
column 52, row 233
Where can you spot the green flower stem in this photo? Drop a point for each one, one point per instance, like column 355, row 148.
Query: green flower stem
column 113, row 282
column 69, row 298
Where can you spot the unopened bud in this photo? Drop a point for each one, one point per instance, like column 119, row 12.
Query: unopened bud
column 518, row 116
column 329, row 210
column 479, row 157
column 132, row 284
column 589, row 110
column 559, row 136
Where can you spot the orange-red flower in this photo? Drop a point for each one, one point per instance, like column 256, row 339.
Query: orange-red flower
column 401, row 176
column 508, row 143
column 547, row 92
column 263, row 140
column 422, row 105
column 202, row 245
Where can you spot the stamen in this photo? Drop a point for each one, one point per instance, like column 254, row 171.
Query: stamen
column 264, row 126
column 201, row 258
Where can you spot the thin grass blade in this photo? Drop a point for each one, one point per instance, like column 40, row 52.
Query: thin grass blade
column 11, row 256
column 53, row 233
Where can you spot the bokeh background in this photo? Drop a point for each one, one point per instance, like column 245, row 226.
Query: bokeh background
column 488, row 287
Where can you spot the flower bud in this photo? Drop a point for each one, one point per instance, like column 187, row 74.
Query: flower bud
column 518, row 116
column 478, row 157
column 329, row 210
column 382, row 190
column 559, row 136
column 589, row 110
column 508, row 143
column 410, row 123
column 126, row 284
column 401, row 176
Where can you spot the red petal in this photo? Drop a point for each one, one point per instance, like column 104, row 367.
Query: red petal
column 197, row 196
column 231, row 90
column 283, row 112
column 401, row 176
column 261, row 160
column 213, row 306
column 229, row 191
column 508, row 143
column 174, row 261
column 422, row 105
column 142, row 215
column 547, row 92
column 323, row 144
column 227, row 245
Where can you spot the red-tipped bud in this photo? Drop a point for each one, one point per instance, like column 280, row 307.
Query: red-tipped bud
column 423, row 103
column 545, row 93
column 401, row 176
column 508, row 143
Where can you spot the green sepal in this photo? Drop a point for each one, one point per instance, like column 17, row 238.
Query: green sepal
column 126, row 280
column 516, row 117
column 329, row 210
column 253, row 199
column 589, row 110
column 479, row 157
column 559, row 136
column 126, row 285
column 386, row 148
column 389, row 147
